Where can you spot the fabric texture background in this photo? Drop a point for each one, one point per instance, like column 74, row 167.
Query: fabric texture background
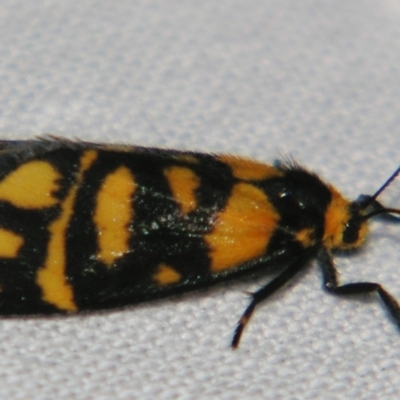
column 315, row 80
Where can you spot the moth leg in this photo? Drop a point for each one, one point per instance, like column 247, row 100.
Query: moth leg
column 332, row 285
column 262, row 294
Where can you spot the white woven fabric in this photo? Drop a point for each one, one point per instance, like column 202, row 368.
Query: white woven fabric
column 318, row 80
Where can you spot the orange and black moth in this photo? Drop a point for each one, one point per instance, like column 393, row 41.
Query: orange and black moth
column 87, row 227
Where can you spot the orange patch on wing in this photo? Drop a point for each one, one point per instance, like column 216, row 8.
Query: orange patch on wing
column 51, row 277
column 165, row 275
column 10, row 243
column 114, row 214
column 242, row 229
column 246, row 169
column 183, row 183
column 31, row 186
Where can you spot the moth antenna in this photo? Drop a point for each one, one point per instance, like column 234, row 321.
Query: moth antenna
column 372, row 199
column 384, row 186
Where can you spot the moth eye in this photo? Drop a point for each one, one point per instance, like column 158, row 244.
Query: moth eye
column 351, row 232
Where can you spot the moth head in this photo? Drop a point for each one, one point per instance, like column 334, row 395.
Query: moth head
column 366, row 207
column 347, row 222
